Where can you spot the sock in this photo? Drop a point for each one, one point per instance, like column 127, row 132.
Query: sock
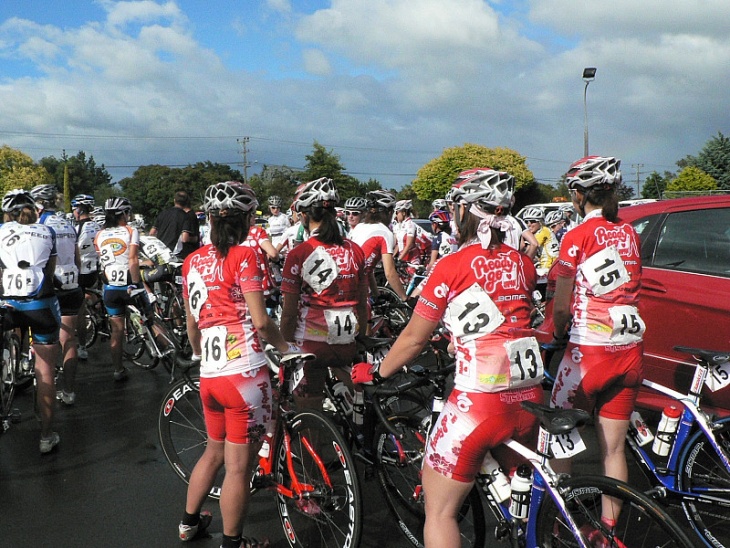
column 191, row 519
column 231, row 542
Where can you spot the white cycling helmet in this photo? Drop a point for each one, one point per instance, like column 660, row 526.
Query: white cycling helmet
column 356, row 203
column 320, row 192
column 449, row 198
column 403, row 205
column 118, row 205
column 275, row 201
column 229, row 195
column 592, row 171
column 380, row 199
column 554, row 217
column 533, row 214
column 485, row 188
column 439, row 203
column 82, row 199
column 17, row 199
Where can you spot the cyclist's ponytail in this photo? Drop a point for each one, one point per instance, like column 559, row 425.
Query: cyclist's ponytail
column 229, row 230
column 329, row 229
column 606, row 199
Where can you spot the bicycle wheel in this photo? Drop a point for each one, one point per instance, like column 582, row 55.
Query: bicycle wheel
column 181, row 430
column 91, row 330
column 399, row 463
column 135, row 349
column 641, row 523
column 703, row 473
column 329, row 511
column 10, row 365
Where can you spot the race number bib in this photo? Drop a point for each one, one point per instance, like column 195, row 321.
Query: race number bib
column 89, row 265
column 116, row 275
column 106, row 256
column 628, row 327
column 473, row 314
column 564, row 446
column 213, row 343
column 605, row 271
column 197, row 292
column 320, row 270
column 21, row 282
column 341, row 325
column 68, row 276
column 525, row 362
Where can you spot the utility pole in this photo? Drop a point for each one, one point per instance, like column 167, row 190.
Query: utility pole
column 244, row 151
column 638, row 168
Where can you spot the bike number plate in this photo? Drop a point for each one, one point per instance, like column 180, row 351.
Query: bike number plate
column 566, row 445
column 718, row 376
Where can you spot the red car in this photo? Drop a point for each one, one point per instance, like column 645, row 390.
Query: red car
column 685, row 294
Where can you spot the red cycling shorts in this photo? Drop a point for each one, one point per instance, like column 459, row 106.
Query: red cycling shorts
column 237, row 408
column 473, row 423
column 606, row 378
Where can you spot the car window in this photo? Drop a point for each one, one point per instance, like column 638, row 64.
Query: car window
column 695, row 241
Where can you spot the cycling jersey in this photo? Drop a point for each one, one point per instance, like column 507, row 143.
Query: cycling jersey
column 375, row 239
column 215, row 289
column 513, row 236
column 401, row 232
column 277, row 225
column 113, row 245
column 548, row 247
column 329, row 281
column 257, row 235
column 86, row 232
column 24, row 252
column 480, row 294
column 293, row 236
column 444, row 244
column 604, row 259
column 67, row 271
column 154, row 249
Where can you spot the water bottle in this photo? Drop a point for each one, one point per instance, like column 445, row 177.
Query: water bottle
column 265, row 447
column 639, row 430
column 358, row 406
column 666, row 430
column 344, row 396
column 521, row 486
column 496, row 481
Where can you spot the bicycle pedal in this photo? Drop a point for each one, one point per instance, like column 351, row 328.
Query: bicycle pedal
column 262, row 481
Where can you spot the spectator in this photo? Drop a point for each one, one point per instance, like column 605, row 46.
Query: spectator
column 175, row 227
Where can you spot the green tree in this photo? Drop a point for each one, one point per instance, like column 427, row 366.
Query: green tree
column 274, row 181
column 85, row 177
column 713, row 159
column 655, row 184
column 692, row 179
column 152, row 188
column 435, row 178
column 18, row 170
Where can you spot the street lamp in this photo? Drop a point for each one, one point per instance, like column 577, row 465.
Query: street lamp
column 589, row 74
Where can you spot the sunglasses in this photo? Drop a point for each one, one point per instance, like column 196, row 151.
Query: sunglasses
column 353, row 213
column 274, row 207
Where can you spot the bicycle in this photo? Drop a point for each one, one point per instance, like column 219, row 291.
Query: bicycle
column 12, row 374
column 307, row 462
column 562, row 510
column 696, row 471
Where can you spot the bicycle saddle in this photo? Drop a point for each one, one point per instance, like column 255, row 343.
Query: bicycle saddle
column 557, row 421
column 709, row 356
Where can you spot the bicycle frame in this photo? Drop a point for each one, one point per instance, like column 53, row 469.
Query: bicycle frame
column 691, row 415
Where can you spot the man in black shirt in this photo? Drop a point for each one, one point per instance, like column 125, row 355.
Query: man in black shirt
column 175, row 227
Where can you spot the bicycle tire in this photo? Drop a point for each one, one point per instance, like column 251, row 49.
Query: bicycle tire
column 700, row 470
column 10, row 364
column 135, row 349
column 399, row 479
column 641, row 523
column 331, row 514
column 91, row 330
column 181, row 430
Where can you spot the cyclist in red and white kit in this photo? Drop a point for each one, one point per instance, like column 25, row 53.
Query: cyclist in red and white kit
column 481, row 293
column 226, row 318
column 598, row 281
column 377, row 241
column 406, row 233
column 325, row 289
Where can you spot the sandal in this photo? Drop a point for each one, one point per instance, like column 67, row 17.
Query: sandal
column 250, row 542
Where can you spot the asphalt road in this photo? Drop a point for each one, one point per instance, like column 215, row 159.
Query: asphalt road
column 108, row 483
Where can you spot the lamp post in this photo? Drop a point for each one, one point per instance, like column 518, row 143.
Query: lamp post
column 589, row 74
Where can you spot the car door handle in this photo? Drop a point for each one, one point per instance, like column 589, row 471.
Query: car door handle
column 653, row 285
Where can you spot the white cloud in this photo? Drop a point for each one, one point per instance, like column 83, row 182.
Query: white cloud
column 143, row 11
column 316, row 62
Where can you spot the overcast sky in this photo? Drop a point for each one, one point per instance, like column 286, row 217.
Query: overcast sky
column 385, row 84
